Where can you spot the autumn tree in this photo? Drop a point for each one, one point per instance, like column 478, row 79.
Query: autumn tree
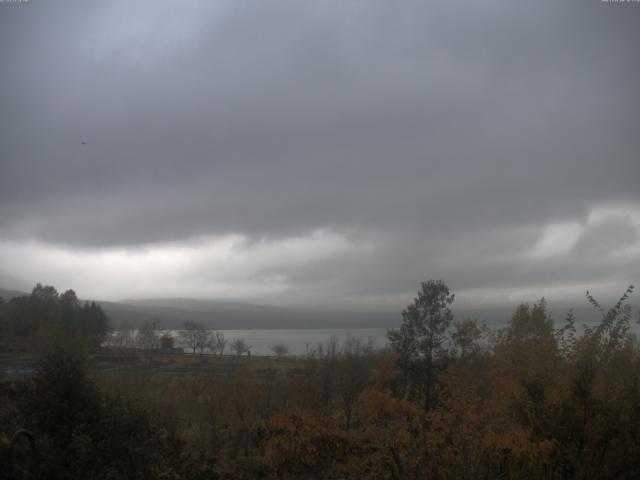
column 466, row 337
column 420, row 340
column 302, row 444
column 217, row 343
column 194, row 335
column 280, row 349
column 597, row 421
column 240, row 394
column 324, row 363
column 353, row 372
column 167, row 341
column 530, row 323
column 390, row 438
column 240, row 346
column 146, row 337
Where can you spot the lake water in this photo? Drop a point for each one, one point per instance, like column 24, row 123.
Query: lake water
column 302, row 341
column 299, row 341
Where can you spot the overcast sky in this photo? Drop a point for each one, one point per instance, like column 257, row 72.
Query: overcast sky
column 325, row 153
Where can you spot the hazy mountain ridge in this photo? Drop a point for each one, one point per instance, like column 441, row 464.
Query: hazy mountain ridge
column 224, row 314
column 172, row 313
column 7, row 294
column 230, row 315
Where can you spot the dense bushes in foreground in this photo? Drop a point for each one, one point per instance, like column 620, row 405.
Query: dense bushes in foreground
column 529, row 402
column 450, row 400
column 80, row 432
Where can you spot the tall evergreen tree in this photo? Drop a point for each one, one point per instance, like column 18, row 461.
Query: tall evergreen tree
column 419, row 341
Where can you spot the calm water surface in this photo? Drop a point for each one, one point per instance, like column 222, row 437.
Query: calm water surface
column 302, row 341
column 299, row 341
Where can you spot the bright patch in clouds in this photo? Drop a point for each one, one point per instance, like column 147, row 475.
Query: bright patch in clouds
column 125, row 29
column 625, row 215
column 599, row 252
column 560, row 238
column 226, row 267
column 557, row 239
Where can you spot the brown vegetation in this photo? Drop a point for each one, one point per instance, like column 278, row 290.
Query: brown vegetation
column 527, row 401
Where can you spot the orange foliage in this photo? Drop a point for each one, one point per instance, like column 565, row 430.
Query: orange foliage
column 301, row 442
column 388, row 440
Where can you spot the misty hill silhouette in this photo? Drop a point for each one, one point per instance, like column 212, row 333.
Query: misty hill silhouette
column 230, row 315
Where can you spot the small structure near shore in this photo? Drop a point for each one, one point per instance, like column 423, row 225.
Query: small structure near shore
column 171, row 350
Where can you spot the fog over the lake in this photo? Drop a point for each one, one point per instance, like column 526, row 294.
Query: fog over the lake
column 321, row 153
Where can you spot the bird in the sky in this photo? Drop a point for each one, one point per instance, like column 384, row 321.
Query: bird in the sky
column 83, row 143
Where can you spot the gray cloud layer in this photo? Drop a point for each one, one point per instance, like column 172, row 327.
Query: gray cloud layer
column 437, row 138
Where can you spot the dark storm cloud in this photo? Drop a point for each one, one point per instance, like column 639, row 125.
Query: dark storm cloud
column 445, row 136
